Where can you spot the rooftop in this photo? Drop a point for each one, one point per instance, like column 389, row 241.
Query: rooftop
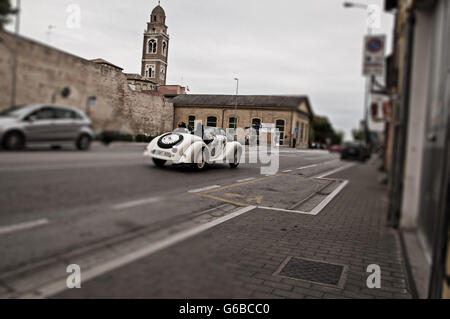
column 102, row 61
column 288, row 101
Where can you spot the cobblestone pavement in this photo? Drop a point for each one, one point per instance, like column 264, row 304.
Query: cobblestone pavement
column 241, row 258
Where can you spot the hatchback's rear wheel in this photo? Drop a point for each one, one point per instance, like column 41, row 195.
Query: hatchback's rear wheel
column 14, row 141
column 84, row 142
column 159, row 162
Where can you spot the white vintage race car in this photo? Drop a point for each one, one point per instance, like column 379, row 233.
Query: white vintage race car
column 205, row 145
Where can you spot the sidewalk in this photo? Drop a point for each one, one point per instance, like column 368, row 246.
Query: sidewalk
column 241, row 258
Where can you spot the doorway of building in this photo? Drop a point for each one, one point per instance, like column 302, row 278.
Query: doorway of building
column 279, row 124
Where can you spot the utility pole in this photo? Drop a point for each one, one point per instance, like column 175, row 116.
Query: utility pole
column 15, row 53
column 368, row 83
column 235, row 108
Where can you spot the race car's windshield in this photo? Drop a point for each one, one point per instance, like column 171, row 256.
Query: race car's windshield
column 181, row 130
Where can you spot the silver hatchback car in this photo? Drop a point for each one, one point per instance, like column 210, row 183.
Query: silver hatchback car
column 39, row 123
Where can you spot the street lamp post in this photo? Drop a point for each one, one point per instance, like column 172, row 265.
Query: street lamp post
column 16, row 49
column 235, row 109
column 236, row 100
column 368, row 83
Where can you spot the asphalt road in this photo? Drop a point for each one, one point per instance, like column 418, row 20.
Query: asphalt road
column 57, row 200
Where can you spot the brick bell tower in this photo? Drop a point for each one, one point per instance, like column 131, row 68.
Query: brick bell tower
column 156, row 47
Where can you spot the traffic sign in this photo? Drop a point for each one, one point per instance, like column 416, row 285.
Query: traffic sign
column 373, row 55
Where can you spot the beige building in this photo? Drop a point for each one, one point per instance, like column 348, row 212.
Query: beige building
column 291, row 115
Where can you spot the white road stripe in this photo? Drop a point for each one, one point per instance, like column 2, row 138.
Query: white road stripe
column 316, row 209
column 287, row 171
column 22, row 226
column 137, row 202
column 284, row 210
column 334, row 170
column 58, row 286
column 246, row 179
column 309, row 166
column 198, row 190
column 328, row 199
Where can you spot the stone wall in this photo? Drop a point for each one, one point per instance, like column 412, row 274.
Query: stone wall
column 43, row 70
column 147, row 113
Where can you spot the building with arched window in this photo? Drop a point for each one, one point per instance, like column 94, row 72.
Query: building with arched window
column 155, row 48
column 291, row 115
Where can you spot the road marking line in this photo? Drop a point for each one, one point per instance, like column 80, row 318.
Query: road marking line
column 287, row 171
column 60, row 285
column 245, row 179
column 137, row 202
column 328, row 199
column 223, row 199
column 22, row 226
column 285, row 210
column 316, row 210
column 198, row 190
column 238, row 184
column 334, row 170
column 309, row 166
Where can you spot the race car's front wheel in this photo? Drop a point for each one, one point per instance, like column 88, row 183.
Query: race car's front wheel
column 159, row 162
column 200, row 161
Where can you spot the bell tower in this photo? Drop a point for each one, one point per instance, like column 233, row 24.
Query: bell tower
column 156, row 47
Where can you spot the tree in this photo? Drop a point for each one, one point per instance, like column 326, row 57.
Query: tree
column 322, row 129
column 358, row 135
column 338, row 138
column 323, row 132
column 5, row 11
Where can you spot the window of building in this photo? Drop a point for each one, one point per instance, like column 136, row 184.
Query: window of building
column 150, row 71
column 232, row 122
column 152, row 46
column 191, row 122
column 211, row 121
column 164, row 48
column 256, row 123
column 162, row 73
column 280, row 124
column 302, row 128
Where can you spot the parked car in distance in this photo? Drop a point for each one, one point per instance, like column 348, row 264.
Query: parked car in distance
column 355, row 150
column 44, row 124
column 335, row 148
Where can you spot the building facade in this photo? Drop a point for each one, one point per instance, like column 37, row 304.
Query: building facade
column 419, row 138
column 291, row 115
column 155, row 49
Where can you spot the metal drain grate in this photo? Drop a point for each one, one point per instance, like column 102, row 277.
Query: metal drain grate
column 314, row 271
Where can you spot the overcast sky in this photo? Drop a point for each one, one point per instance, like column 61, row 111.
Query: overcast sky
column 274, row 47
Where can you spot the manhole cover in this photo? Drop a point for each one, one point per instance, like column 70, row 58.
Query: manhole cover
column 314, row 271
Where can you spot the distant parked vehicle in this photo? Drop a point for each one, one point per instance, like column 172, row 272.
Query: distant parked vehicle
column 335, row 149
column 44, row 124
column 355, row 150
